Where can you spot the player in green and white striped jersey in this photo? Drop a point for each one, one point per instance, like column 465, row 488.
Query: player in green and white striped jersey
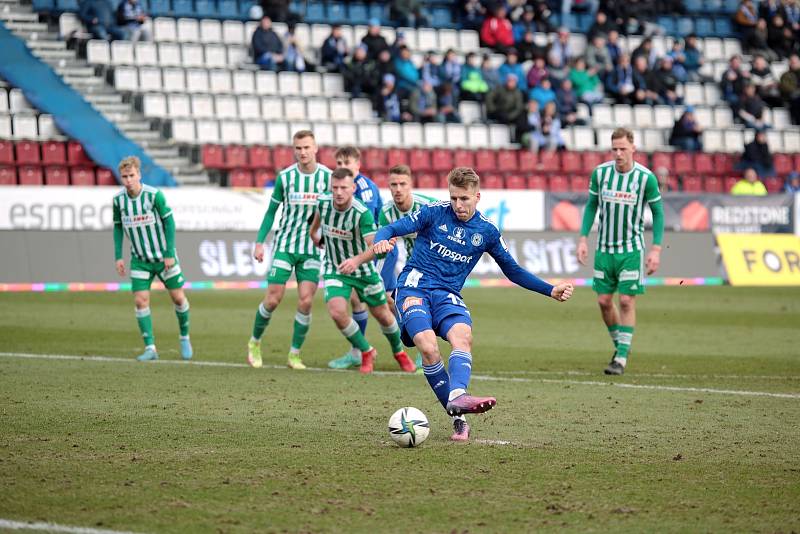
column 296, row 191
column 141, row 213
column 347, row 232
column 620, row 189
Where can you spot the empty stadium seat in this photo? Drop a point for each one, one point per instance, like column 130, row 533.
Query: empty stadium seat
column 683, row 162
column 441, row 160
column 240, row 178
column 6, row 152
column 426, row 180
column 571, row 162
column 235, row 156
column 28, row 152
column 8, row 175
column 558, row 183
column 106, row 177
column 212, row 157
column 528, row 160
column 516, row 181
column 485, row 160
column 507, row 161
column 704, row 164
column 591, row 160
column 56, row 175
column 692, row 183
column 31, row 175
column 82, row 176
column 783, row 163
column 537, row 182
column 578, row 183
column 549, row 161
column 492, row 181
column 713, row 184
column 282, row 157
column 464, row 158
column 76, row 155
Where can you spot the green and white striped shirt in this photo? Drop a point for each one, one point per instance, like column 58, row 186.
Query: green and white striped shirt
column 390, row 213
column 298, row 194
column 344, row 233
column 621, row 198
column 142, row 219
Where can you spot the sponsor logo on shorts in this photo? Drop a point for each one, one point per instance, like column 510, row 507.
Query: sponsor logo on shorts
column 446, row 253
column 627, row 276
column 600, row 275
column 312, row 264
column 140, row 275
column 415, row 310
column 477, row 240
column 373, row 289
column 411, row 301
column 332, row 282
column 176, row 270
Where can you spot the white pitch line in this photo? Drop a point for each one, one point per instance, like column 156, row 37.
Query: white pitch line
column 651, row 375
column 54, row 527
column 685, row 389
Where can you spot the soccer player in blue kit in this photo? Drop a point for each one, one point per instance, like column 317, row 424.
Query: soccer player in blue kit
column 451, row 238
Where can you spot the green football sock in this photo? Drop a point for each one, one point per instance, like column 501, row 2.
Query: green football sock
column 613, row 331
column 145, row 326
column 355, row 337
column 302, row 323
column 262, row 320
column 182, row 312
column 624, row 341
column 392, row 333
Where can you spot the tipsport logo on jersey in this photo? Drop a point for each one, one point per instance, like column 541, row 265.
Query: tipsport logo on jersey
column 448, row 254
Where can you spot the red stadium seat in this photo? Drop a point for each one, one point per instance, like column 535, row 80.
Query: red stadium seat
column 212, row 157
column 441, row 160
column 463, row 158
column 8, row 175
column 235, row 156
column 259, row 157
column 374, row 159
column 641, row 158
column 774, row 184
column 730, row 181
column 420, row 158
column 282, row 157
column 6, row 153
column 443, row 183
column 683, row 163
column 692, row 183
column 240, row 178
column 537, row 182
column 106, row 177
column 492, row 181
column 723, row 163
column 28, row 153
column 263, row 177
column 558, row 183
column 662, row 159
column 381, row 179
column 704, row 164
column 54, row 153
column 31, row 175
column 516, row 181
column 76, row 155
column 571, row 162
column 528, row 160
column 549, row 161
column 398, row 156
column 713, row 184
column 783, row 164
column 507, row 161
column 579, row 183
column 426, row 180
column 325, row 156
column 485, row 160
column 797, row 161
column 674, row 186
column 82, row 176
column 592, row 160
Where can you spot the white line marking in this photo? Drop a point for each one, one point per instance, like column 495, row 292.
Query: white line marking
column 54, row 527
column 685, row 389
column 492, row 441
column 650, row 375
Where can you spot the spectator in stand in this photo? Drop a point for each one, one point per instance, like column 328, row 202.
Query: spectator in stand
column 98, row 17
column 294, row 56
column 568, row 105
column 334, row 50
column 489, row 72
column 612, row 45
column 646, row 50
column 473, row 86
column 406, row 72
column 448, row 103
column 791, row 10
column 790, row 87
column 643, row 90
column 388, row 103
column 472, row 14
column 587, row 84
column 749, row 185
column 598, row 60
column 497, row 32
column 664, row 182
column 678, row 61
column 757, row 156
column 528, row 49
column 423, row 104
column 665, row 83
column 750, row 110
column 374, row 41
column 399, row 42
column 560, row 54
column 780, row 38
column 267, row 47
column 792, row 184
column 693, row 59
column 504, row 103
column 746, row 18
column 733, row 81
column 360, row 75
column 757, row 41
column 407, row 13
column 765, row 81
column 537, row 72
column 450, row 71
column 548, row 135
column 131, row 17
column 429, row 72
column 602, row 25
column 524, row 25
column 769, row 8
column 278, row 10
column 512, row 66
column 528, row 122
column 543, row 93
column 620, row 81
column 687, row 133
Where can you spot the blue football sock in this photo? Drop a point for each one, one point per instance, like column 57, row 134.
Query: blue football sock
column 361, row 319
column 436, row 375
column 460, row 368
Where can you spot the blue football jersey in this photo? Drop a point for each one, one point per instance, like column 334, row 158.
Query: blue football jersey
column 369, row 194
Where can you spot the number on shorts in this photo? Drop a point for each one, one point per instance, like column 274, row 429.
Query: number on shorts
column 456, row 300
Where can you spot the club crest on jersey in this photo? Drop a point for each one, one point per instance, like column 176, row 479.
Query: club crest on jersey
column 458, row 235
column 477, row 240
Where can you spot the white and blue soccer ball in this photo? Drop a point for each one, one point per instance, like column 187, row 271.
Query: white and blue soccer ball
column 408, row 427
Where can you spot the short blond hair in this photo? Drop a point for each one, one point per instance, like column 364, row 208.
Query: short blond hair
column 619, row 133
column 300, row 134
column 130, row 161
column 464, row 177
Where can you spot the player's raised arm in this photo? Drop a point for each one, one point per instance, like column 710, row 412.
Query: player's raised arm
column 523, row 278
column 409, row 224
column 269, row 219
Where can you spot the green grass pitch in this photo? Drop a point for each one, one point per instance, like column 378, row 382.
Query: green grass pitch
column 700, row 435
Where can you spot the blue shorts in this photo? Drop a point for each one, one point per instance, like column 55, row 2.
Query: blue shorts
column 433, row 309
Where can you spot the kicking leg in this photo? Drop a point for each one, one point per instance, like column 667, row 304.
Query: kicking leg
column 460, row 366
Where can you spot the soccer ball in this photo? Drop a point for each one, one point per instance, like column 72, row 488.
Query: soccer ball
column 408, row 427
